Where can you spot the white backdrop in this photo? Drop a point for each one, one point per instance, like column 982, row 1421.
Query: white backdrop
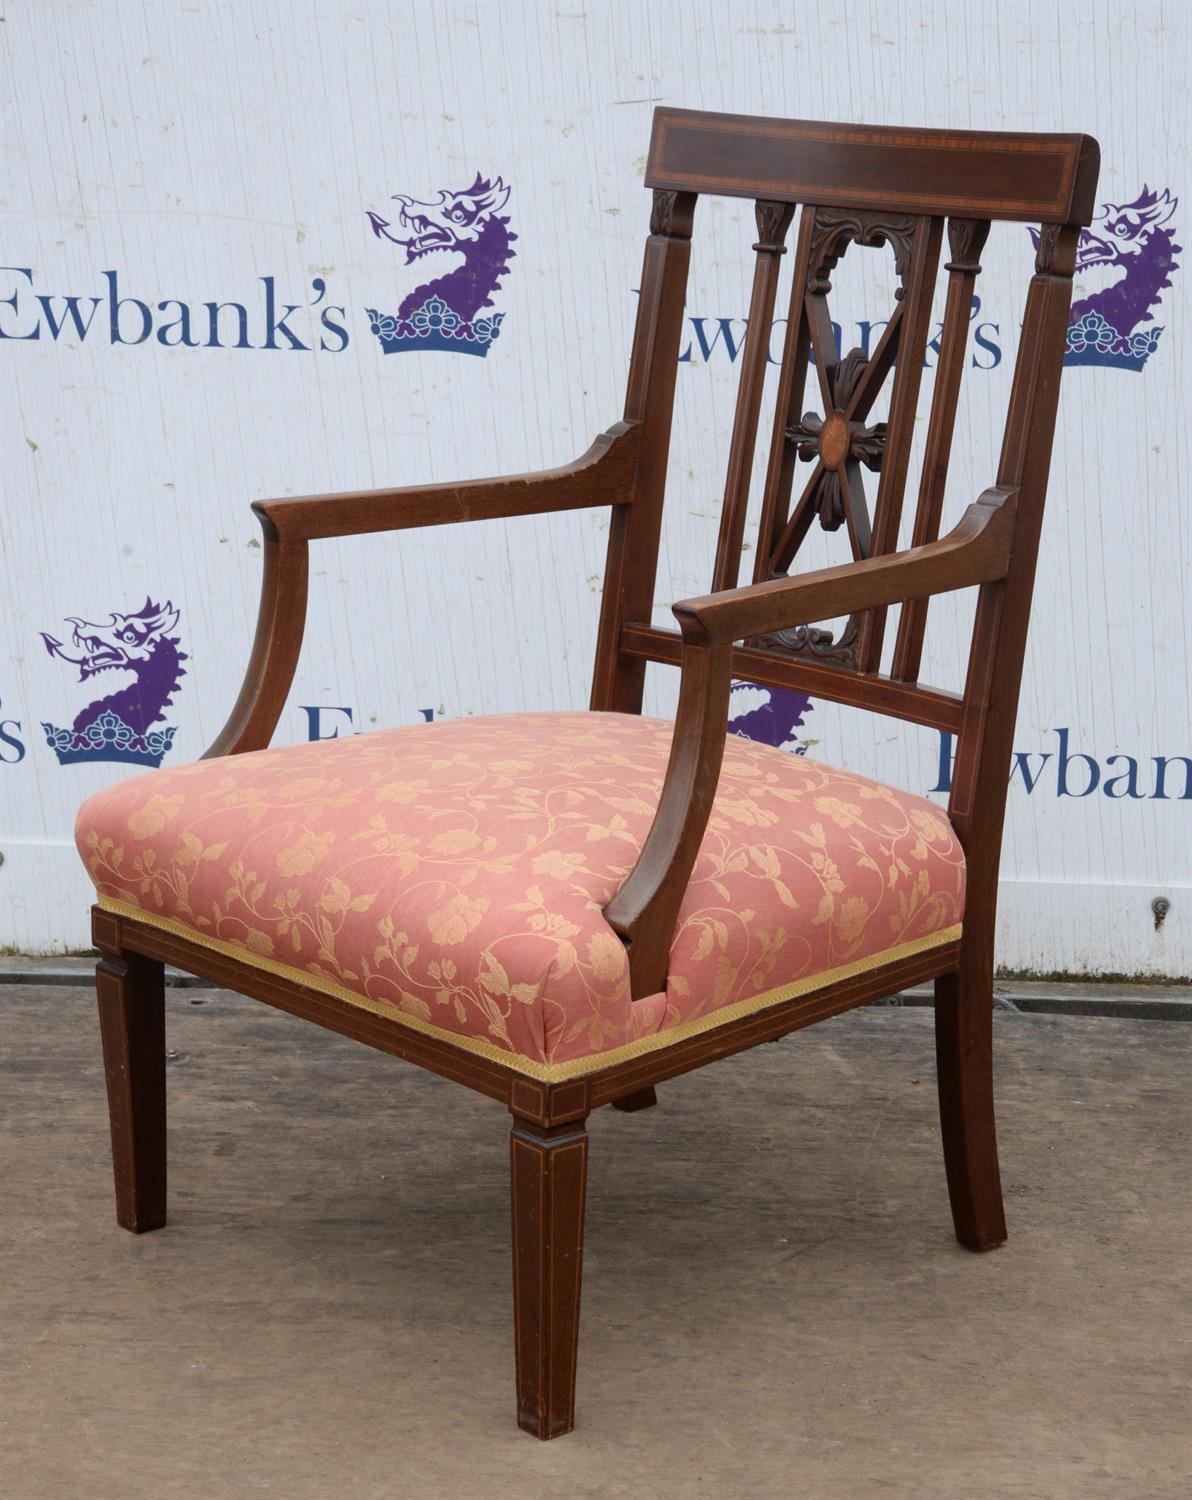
column 177, row 156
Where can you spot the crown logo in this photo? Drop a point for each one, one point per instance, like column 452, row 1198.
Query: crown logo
column 108, row 737
column 1094, row 341
column 434, row 325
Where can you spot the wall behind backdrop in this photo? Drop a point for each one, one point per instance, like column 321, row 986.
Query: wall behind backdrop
column 206, row 297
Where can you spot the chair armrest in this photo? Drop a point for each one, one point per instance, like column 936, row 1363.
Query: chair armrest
column 604, row 475
column 644, row 911
column 976, row 551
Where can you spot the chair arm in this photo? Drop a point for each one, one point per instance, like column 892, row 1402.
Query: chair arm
column 604, row 475
column 644, row 911
column 976, row 551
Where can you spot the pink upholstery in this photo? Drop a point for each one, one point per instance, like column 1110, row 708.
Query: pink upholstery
column 454, row 874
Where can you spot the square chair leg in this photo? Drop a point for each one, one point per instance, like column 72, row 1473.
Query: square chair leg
column 964, row 1065
column 549, row 1176
column 131, row 995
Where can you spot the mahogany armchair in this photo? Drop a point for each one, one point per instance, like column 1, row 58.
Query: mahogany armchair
column 564, row 910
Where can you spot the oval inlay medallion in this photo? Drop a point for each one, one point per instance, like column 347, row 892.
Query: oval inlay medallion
column 834, row 439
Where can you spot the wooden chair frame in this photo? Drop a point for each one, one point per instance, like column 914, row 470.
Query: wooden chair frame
column 865, row 185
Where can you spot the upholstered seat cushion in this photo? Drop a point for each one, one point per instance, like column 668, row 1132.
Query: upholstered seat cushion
column 454, row 874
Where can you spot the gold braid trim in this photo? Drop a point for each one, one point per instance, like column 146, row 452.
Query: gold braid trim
column 576, row 1067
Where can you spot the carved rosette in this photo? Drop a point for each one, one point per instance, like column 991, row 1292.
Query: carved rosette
column 833, row 441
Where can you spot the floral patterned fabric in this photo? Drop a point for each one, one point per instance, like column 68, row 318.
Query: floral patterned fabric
column 455, row 873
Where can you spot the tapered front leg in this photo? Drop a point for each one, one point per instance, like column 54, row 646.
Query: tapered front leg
column 549, row 1177
column 964, row 1064
column 131, row 995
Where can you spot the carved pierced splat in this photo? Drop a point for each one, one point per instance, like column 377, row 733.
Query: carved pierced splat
column 837, row 439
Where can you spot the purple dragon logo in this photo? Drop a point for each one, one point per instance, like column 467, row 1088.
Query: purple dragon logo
column 444, row 313
column 772, row 721
column 118, row 727
column 1131, row 238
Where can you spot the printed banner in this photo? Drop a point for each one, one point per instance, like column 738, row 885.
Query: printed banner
column 261, row 249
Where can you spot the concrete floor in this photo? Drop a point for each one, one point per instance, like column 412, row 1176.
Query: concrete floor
column 774, row 1305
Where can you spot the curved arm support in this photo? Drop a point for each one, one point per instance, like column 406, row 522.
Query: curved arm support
column 644, row 911
column 281, row 621
column 604, row 475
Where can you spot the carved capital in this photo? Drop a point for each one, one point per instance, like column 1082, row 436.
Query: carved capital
column 966, row 240
column 1045, row 251
column 773, row 221
column 1055, row 254
column 672, row 214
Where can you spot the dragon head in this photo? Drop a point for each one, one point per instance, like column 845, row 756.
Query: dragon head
column 125, row 642
column 448, row 224
column 1122, row 230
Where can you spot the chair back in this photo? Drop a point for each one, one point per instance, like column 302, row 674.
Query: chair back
column 906, row 191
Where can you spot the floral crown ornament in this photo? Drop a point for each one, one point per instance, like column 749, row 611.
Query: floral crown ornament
column 1092, row 340
column 108, row 737
column 434, row 325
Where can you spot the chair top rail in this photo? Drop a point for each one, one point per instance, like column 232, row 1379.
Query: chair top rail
column 1035, row 178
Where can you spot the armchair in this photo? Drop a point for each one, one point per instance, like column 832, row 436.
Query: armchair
column 562, row 911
